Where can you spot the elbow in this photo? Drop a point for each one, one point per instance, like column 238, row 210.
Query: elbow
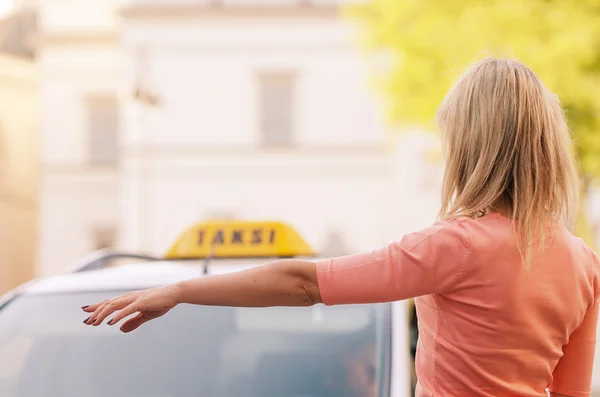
column 308, row 296
column 306, row 287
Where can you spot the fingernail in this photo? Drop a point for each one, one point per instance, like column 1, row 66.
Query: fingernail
column 94, row 321
column 110, row 322
column 86, row 320
column 85, row 307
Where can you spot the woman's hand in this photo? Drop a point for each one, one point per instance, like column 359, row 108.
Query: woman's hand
column 148, row 304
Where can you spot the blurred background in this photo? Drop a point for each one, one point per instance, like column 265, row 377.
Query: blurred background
column 124, row 122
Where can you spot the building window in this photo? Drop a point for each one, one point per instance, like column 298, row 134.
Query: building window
column 104, row 237
column 276, row 112
column 103, row 128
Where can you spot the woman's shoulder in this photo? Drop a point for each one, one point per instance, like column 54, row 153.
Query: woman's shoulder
column 444, row 232
column 493, row 224
column 482, row 234
column 576, row 244
column 463, row 225
column 584, row 260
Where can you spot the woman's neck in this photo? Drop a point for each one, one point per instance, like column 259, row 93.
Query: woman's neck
column 502, row 208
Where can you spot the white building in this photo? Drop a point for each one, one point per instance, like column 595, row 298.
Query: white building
column 80, row 66
column 263, row 110
column 252, row 109
column 18, row 148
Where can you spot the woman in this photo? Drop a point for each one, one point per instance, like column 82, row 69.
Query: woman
column 506, row 295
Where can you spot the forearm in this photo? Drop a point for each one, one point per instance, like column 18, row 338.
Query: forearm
column 286, row 282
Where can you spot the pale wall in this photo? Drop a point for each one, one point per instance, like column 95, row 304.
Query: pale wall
column 73, row 203
column 199, row 151
column 79, row 17
column 79, row 56
column 18, row 170
column 204, row 71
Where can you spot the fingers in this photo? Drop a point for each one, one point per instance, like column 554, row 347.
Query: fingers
column 133, row 307
column 134, row 322
column 93, row 314
column 111, row 308
column 108, row 307
column 92, row 308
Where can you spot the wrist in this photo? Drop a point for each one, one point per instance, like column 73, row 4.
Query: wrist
column 179, row 291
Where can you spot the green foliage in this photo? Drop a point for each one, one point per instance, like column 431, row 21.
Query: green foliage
column 430, row 42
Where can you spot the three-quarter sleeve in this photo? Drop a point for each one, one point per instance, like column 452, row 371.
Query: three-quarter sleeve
column 425, row 262
column 572, row 375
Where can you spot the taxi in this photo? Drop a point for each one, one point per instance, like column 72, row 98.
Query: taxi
column 318, row 351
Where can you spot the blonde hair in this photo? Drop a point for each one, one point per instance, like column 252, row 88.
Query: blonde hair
column 507, row 144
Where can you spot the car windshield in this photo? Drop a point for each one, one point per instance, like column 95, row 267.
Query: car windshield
column 46, row 351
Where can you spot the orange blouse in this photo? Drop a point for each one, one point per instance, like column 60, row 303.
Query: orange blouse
column 488, row 326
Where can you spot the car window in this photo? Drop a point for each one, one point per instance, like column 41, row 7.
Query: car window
column 46, row 351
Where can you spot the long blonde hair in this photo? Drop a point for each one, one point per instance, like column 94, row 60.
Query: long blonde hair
column 507, row 143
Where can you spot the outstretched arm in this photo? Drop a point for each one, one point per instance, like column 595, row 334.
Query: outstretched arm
column 286, row 282
column 425, row 262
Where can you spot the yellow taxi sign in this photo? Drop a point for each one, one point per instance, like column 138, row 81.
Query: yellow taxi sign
column 239, row 239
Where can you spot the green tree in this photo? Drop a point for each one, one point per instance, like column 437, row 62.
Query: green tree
column 430, row 42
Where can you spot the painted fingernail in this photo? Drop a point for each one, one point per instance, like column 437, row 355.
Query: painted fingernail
column 85, row 307
column 110, row 322
column 94, row 320
column 86, row 320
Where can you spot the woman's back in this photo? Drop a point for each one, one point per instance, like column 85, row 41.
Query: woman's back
column 500, row 331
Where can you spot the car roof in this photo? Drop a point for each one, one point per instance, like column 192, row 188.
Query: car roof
column 135, row 276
